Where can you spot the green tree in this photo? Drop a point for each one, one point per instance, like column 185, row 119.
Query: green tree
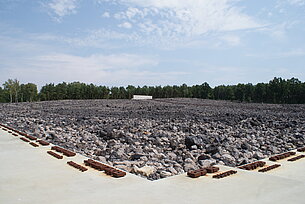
column 8, row 86
column 48, row 92
column 61, row 90
column 104, row 92
column 114, row 92
column 249, row 90
column 130, row 91
column 3, row 96
column 29, row 92
column 184, row 91
column 13, row 87
column 205, row 90
column 239, row 92
column 260, row 93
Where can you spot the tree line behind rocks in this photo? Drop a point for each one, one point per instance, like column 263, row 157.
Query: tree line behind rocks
column 13, row 91
column 278, row 90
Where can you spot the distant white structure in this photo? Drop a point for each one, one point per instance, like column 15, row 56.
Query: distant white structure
column 141, row 97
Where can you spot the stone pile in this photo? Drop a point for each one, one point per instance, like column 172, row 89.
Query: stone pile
column 161, row 138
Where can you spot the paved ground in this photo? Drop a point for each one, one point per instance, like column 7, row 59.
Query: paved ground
column 30, row 175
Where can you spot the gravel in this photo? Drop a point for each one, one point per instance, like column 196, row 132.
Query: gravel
column 163, row 137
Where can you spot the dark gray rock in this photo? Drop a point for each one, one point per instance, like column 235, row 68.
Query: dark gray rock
column 199, row 141
column 211, row 149
column 136, row 157
column 204, row 157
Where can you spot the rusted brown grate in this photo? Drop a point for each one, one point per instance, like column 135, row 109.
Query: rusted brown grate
column 107, row 169
column 34, row 144
column 197, row 173
column 212, row 169
column 202, row 172
column 24, row 139
column 296, row 158
column 281, row 156
column 43, row 143
column 302, row 149
column 55, row 155
column 64, row 151
column 22, row 133
column 268, row 168
column 253, row 165
column 224, row 174
column 30, row 137
column 77, row 166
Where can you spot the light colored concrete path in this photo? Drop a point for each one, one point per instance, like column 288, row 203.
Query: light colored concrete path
column 30, row 175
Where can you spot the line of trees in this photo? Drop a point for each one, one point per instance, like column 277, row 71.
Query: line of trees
column 77, row 90
column 277, row 90
column 13, row 91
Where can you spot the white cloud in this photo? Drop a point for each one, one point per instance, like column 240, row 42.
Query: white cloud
column 296, row 2
column 126, row 25
column 94, row 62
column 193, row 17
column 229, row 75
column 283, row 6
column 61, row 8
column 278, row 31
column 100, row 38
column 298, row 52
column 232, row 40
column 133, row 12
column 91, row 69
column 167, row 23
column 164, row 23
column 106, row 15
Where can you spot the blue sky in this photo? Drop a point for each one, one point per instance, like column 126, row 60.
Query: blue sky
column 152, row 42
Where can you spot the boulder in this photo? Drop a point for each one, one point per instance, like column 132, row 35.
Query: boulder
column 164, row 174
column 199, row 141
column 203, row 157
column 136, row 156
column 228, row 159
column 145, row 170
column 189, row 166
column 206, row 163
column 211, row 149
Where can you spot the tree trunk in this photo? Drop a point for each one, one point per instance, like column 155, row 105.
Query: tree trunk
column 11, row 97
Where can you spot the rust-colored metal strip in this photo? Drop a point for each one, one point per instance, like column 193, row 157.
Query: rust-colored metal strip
column 55, row 155
column 268, row 168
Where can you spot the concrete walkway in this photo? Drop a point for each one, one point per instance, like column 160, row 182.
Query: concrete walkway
column 29, row 175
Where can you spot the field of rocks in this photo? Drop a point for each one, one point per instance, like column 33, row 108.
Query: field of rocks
column 162, row 137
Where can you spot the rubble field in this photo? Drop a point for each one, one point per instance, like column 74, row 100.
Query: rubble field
column 162, row 137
